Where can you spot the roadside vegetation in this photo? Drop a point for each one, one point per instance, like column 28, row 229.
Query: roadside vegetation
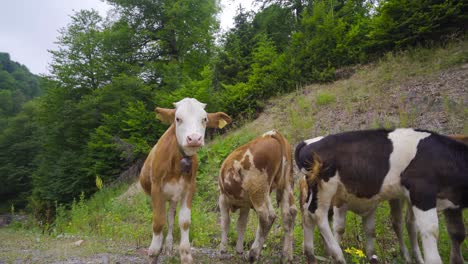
column 376, row 95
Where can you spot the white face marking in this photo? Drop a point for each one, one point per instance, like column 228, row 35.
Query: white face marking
column 190, row 122
column 313, row 140
column 443, row 204
column 269, row 133
column 405, row 142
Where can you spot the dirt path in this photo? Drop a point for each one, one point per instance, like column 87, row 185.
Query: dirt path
column 19, row 246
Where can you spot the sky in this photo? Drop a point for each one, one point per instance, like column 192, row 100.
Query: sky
column 29, row 28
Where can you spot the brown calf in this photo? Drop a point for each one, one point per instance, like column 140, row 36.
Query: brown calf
column 170, row 169
column 247, row 177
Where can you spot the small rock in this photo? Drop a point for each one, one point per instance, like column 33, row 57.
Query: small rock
column 78, row 243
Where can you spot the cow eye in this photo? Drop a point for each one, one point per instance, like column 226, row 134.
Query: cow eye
column 204, row 120
column 178, row 120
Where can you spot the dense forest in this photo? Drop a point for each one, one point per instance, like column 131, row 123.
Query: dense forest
column 92, row 117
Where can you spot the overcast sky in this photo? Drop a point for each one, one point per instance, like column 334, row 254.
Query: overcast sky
column 28, row 28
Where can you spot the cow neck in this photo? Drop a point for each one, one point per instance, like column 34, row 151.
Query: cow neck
column 186, row 161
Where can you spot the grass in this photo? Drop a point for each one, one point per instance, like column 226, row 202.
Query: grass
column 370, row 98
column 324, row 98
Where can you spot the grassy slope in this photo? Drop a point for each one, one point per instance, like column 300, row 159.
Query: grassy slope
column 421, row 88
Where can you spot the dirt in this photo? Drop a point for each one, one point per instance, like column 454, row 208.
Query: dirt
column 19, row 246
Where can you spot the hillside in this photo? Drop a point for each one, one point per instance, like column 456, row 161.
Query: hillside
column 424, row 88
column 17, row 86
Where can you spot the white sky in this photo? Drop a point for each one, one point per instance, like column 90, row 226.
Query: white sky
column 28, row 28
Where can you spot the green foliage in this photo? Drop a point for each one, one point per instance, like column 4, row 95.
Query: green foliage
column 17, row 85
column 332, row 35
column 402, row 23
column 324, row 98
column 19, row 149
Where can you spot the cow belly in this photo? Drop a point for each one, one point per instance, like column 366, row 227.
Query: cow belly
column 364, row 205
column 173, row 190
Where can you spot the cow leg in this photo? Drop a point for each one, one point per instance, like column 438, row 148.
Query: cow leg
column 325, row 194
column 428, row 226
column 368, row 222
column 225, row 221
column 170, row 226
column 397, row 224
column 456, row 230
column 288, row 214
column 241, row 226
column 339, row 221
column 413, row 236
column 159, row 219
column 184, row 224
column 308, row 225
column 266, row 217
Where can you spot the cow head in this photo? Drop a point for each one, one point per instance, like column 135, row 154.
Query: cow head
column 190, row 120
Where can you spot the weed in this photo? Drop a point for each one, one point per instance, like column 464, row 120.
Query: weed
column 324, row 98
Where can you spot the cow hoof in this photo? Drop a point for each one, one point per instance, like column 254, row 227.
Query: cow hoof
column 222, row 249
column 374, row 260
column 186, row 259
column 185, row 255
column 310, row 258
column 240, row 250
column 168, row 250
column 153, row 259
column 252, row 256
column 285, row 259
column 154, row 252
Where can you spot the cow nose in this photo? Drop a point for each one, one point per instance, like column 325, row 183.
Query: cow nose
column 194, row 140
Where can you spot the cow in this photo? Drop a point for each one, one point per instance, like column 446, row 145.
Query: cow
column 170, row 169
column 367, row 167
column 368, row 216
column 246, row 179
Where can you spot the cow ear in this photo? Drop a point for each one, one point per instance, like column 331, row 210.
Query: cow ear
column 218, row 120
column 166, row 115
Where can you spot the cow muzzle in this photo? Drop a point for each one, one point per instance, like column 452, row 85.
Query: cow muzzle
column 194, row 140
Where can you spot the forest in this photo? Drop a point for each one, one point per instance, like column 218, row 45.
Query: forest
column 91, row 119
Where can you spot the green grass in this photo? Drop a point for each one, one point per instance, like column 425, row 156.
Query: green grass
column 363, row 103
column 324, row 98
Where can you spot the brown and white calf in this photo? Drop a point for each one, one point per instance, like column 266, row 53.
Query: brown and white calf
column 169, row 172
column 247, row 177
column 367, row 212
column 367, row 167
column 368, row 216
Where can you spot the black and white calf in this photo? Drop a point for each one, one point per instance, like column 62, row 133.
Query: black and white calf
column 367, row 167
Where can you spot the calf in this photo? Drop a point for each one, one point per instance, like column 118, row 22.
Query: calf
column 247, row 177
column 367, row 167
column 368, row 215
column 170, row 169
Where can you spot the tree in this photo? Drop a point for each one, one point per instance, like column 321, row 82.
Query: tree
column 402, row 23
column 19, row 149
column 78, row 62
